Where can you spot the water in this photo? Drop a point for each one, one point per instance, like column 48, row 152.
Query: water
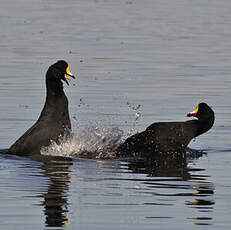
column 137, row 62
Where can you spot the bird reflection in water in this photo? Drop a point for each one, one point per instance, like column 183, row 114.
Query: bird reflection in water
column 165, row 176
column 56, row 198
column 163, row 165
column 172, row 171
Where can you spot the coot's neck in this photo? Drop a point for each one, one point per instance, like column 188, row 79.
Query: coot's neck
column 204, row 124
column 54, row 87
column 56, row 101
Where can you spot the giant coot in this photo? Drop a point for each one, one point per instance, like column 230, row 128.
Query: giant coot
column 168, row 137
column 54, row 121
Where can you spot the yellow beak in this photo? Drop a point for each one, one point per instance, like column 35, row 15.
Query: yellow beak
column 68, row 72
column 194, row 113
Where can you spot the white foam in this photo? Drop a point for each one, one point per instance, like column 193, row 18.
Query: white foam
column 92, row 142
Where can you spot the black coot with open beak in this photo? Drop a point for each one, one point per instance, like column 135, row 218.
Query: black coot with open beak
column 53, row 122
column 168, row 137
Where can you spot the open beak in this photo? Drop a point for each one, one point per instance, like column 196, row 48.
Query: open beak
column 68, row 74
column 193, row 113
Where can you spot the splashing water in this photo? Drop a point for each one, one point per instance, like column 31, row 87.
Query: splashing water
column 92, row 142
column 135, row 109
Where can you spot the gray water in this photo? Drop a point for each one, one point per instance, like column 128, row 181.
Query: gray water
column 137, row 62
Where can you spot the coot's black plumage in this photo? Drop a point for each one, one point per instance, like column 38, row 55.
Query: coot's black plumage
column 54, row 121
column 168, row 137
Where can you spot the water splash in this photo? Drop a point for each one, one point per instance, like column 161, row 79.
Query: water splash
column 136, row 109
column 92, row 142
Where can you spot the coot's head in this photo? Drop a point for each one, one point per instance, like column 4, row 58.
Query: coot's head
column 202, row 111
column 61, row 70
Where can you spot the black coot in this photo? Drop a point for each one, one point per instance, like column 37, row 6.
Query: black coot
column 168, row 137
column 54, row 121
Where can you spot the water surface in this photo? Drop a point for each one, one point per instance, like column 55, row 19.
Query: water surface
column 137, row 62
